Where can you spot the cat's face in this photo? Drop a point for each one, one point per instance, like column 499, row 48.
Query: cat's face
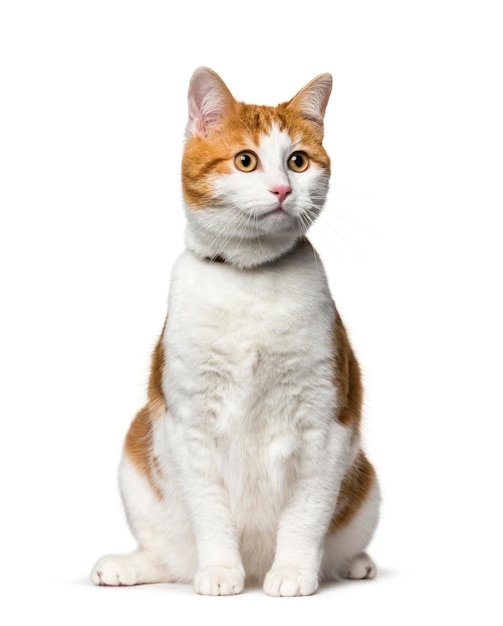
column 254, row 177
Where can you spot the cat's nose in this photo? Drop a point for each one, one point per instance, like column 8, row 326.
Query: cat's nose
column 281, row 192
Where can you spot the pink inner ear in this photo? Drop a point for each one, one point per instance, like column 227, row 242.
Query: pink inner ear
column 209, row 101
column 196, row 126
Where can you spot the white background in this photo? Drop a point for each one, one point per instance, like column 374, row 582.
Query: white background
column 92, row 114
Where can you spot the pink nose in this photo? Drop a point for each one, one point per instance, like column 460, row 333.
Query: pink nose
column 281, row 192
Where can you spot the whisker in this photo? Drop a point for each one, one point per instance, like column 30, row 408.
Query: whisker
column 328, row 210
column 256, row 229
column 240, row 224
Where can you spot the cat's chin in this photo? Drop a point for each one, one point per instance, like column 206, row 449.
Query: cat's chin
column 242, row 253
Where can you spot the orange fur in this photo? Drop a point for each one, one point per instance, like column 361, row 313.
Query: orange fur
column 354, row 489
column 347, row 379
column 139, row 439
column 156, row 399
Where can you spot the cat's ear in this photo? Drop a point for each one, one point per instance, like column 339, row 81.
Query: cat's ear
column 311, row 101
column 209, row 101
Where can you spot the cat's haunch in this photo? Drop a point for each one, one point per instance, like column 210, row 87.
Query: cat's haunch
column 245, row 465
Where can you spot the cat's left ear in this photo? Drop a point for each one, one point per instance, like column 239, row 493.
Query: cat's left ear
column 312, row 100
column 209, row 101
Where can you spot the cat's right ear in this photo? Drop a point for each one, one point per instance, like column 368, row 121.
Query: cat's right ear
column 209, row 101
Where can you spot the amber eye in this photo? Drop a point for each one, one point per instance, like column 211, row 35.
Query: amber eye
column 298, row 162
column 246, row 161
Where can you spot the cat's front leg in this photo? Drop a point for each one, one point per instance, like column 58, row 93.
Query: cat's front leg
column 220, row 570
column 305, row 519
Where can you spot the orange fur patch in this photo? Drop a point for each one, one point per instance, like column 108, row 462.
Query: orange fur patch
column 354, row 489
column 156, row 399
column 139, row 439
column 361, row 475
column 347, row 379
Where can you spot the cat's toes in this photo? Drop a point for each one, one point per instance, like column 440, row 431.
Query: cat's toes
column 362, row 567
column 290, row 581
column 219, row 580
column 113, row 571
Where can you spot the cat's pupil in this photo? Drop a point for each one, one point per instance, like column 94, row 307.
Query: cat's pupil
column 245, row 160
column 298, row 160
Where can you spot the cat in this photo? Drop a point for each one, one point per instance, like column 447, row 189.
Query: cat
column 245, row 465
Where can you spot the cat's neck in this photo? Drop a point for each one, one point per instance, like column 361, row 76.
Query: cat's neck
column 240, row 252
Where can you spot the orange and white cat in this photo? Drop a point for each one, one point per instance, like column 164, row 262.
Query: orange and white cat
column 245, row 464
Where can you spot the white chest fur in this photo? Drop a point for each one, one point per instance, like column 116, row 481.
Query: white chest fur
column 249, row 375
column 237, row 339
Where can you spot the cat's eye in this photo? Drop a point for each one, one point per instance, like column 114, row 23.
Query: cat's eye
column 246, row 161
column 298, row 162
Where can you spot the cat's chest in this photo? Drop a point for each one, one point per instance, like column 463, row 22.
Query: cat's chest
column 247, row 323
column 249, row 362
column 242, row 347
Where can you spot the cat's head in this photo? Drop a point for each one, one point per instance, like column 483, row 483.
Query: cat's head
column 254, row 177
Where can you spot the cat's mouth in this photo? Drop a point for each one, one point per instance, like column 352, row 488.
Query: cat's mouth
column 277, row 211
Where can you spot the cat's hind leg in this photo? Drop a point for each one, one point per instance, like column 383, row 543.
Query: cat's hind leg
column 142, row 507
column 344, row 550
column 361, row 567
column 165, row 548
column 137, row 568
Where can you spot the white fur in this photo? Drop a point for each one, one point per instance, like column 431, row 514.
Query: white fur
column 251, row 456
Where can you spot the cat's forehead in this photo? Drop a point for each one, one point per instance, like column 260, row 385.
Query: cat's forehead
column 258, row 123
column 277, row 140
column 255, row 119
column 275, row 130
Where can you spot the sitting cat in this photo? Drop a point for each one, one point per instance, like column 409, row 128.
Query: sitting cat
column 245, row 463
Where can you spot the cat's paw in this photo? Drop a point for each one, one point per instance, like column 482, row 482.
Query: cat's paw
column 290, row 581
column 114, row 571
column 362, row 567
column 219, row 580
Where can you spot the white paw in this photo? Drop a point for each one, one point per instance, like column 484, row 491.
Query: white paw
column 219, row 580
column 362, row 567
column 114, row 571
column 290, row 581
